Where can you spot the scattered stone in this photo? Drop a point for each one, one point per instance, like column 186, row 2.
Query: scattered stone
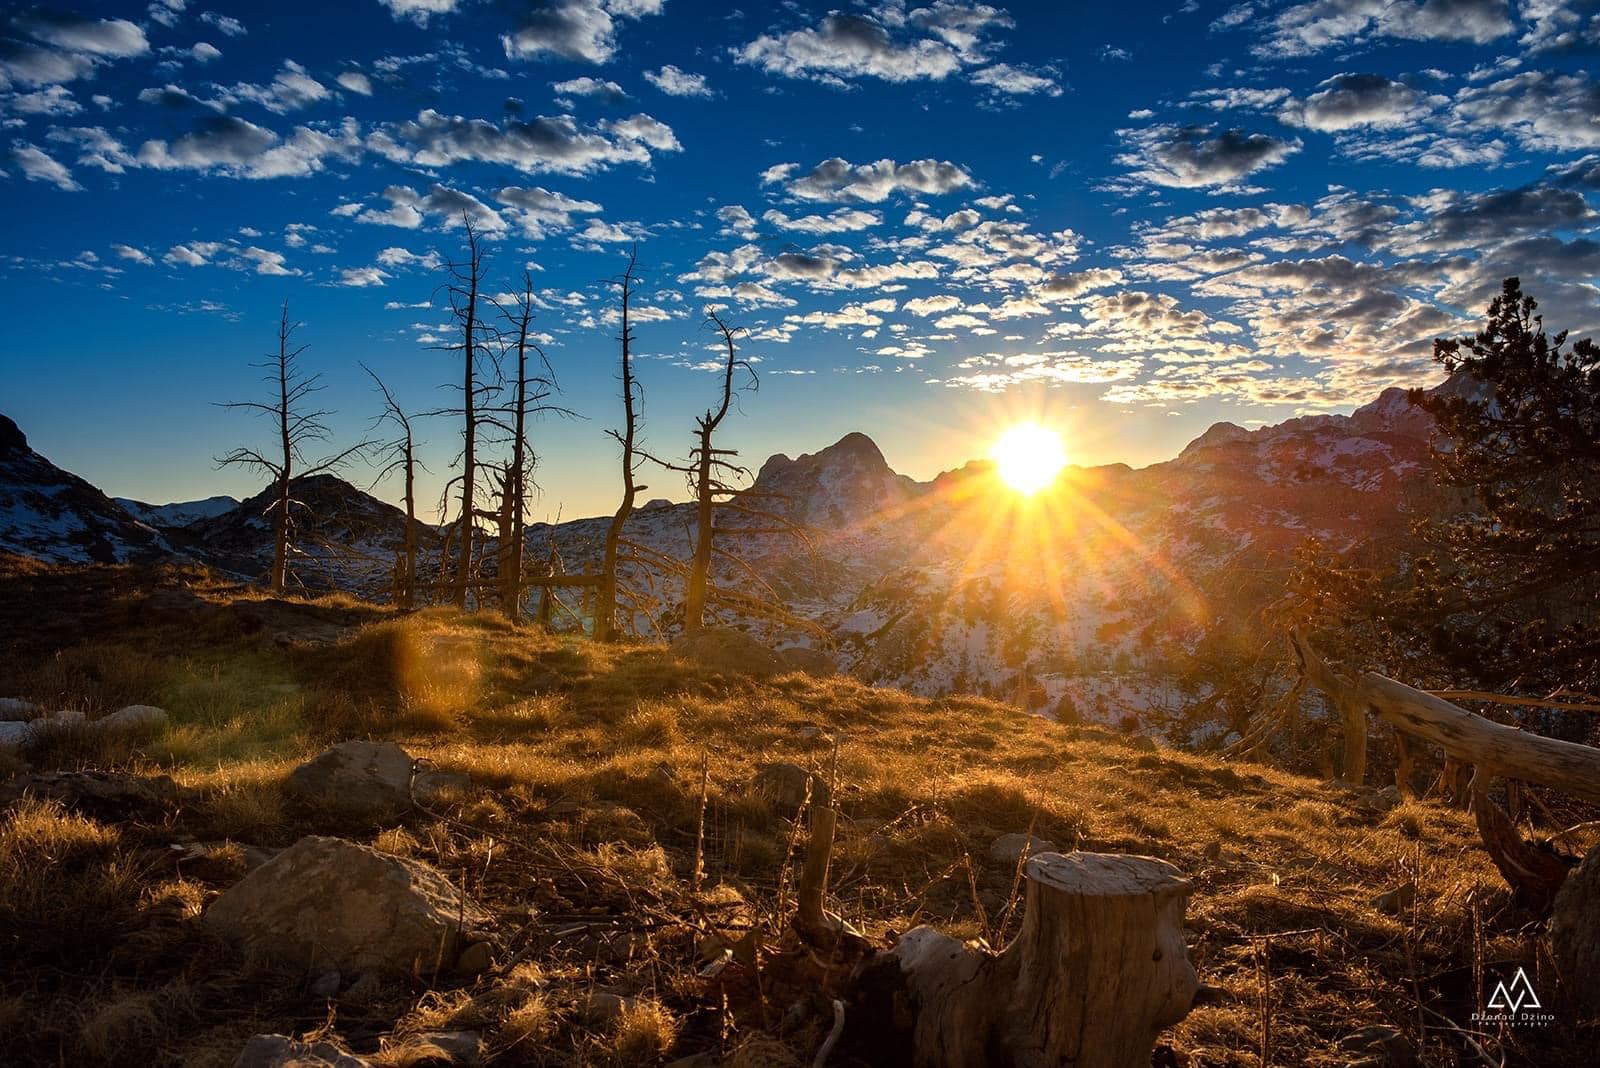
column 729, row 651
column 145, row 720
column 331, row 903
column 603, row 1006
column 15, row 734
column 16, row 710
column 785, row 785
column 1007, row 849
column 1141, row 743
column 475, row 959
column 281, row 1051
column 327, row 985
column 61, row 719
column 108, row 796
column 810, row 732
column 814, row 662
column 1379, row 802
column 356, row 779
column 368, row 987
column 220, row 861
column 1213, row 850
column 1397, row 900
column 451, row 1047
column 1378, row 1046
column 1575, row 934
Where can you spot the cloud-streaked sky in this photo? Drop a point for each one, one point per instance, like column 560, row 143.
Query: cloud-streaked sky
column 1132, row 219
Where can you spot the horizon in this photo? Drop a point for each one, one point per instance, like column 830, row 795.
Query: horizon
column 1127, row 224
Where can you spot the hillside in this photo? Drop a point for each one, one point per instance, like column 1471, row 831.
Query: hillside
column 574, row 835
column 1097, row 595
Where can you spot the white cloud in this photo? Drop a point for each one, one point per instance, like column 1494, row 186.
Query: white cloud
column 580, row 30
column 355, row 82
column 839, row 181
column 419, row 11
column 675, row 82
column 39, row 166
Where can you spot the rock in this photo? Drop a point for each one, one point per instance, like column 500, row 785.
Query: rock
column 329, row 903
column 357, row 779
column 16, row 710
column 1575, row 935
column 1378, row 1046
column 1141, row 743
column 108, row 796
column 1397, row 900
column 327, row 984
column 15, row 734
column 450, row 1047
column 368, row 987
column 729, row 651
column 603, row 1006
column 807, row 661
column 785, row 785
column 144, row 720
column 475, row 959
column 1213, row 850
column 281, row 1051
column 1007, row 849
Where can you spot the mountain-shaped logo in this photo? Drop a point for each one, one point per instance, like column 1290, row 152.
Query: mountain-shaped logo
column 1516, row 995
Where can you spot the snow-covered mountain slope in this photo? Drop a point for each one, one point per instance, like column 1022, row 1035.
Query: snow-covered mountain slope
column 178, row 513
column 54, row 515
column 344, row 538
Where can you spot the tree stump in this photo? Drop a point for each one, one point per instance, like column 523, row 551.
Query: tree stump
column 1097, row 971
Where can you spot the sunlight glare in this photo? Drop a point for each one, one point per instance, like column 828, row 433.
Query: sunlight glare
column 1029, row 457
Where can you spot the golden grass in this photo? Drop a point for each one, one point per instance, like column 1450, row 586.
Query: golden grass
column 587, row 766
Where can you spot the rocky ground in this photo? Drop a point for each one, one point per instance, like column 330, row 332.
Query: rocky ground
column 353, row 837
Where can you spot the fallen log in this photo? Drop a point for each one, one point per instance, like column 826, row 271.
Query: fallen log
column 1496, row 749
column 1097, row 971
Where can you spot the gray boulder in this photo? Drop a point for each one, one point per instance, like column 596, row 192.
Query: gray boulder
column 1007, row 849
column 356, row 779
column 785, row 786
column 1575, row 935
column 281, row 1051
column 327, row 903
column 15, row 734
column 146, row 720
column 729, row 651
column 14, row 709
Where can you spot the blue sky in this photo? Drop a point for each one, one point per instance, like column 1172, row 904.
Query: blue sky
column 1131, row 220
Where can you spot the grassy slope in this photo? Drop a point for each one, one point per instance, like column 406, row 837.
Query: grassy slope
column 588, row 765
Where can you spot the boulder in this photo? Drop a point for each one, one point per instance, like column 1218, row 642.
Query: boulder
column 281, row 1051
column 15, row 734
column 1007, row 849
column 145, row 720
column 785, row 785
column 15, row 709
column 808, row 661
column 328, row 903
column 729, row 651
column 357, row 779
column 1575, row 935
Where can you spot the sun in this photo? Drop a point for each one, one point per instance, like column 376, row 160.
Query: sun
column 1028, row 457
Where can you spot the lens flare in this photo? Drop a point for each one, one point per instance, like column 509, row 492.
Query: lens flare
column 1028, row 457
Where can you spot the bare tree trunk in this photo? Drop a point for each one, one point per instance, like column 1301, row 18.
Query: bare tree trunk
column 469, row 439
column 695, row 586
column 407, row 591
column 1098, row 970
column 605, row 607
column 280, row 526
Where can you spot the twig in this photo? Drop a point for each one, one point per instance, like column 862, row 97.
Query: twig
column 833, row 1035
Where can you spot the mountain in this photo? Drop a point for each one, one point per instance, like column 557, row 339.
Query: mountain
column 56, row 516
column 179, row 513
column 1109, row 594
column 345, row 538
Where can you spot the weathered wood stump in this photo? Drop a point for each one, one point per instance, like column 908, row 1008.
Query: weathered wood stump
column 1097, row 971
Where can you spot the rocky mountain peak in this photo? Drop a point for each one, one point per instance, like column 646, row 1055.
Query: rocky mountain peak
column 847, row 482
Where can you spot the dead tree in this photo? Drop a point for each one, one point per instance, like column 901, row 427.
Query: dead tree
column 605, row 601
column 399, row 453
column 295, row 429
column 530, row 391
column 1098, row 970
column 712, row 474
column 462, row 292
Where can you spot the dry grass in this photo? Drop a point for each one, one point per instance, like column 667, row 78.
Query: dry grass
column 586, row 762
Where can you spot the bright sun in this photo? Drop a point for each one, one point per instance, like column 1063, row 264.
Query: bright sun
column 1029, row 457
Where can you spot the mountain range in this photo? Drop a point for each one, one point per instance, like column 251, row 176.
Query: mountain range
column 1088, row 598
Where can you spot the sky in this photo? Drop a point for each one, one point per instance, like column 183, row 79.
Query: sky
column 931, row 220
